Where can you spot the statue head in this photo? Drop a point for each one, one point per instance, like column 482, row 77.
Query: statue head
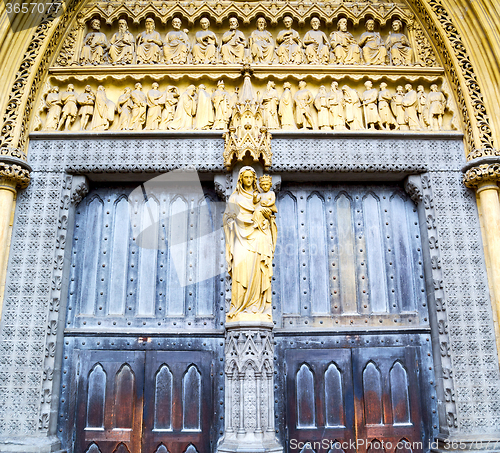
column 176, row 23
column 138, row 86
column 204, row 23
column 399, row 89
column 155, row 86
column 88, row 89
column 95, row 24
column 191, row 89
column 287, row 86
column 302, row 84
column 420, row 88
column 315, row 23
column 370, row 25
column 408, row 87
column 334, row 85
column 122, row 25
column 247, row 179
column 220, row 84
column 342, row 24
column 397, row 25
column 270, row 85
column 55, row 89
column 383, row 86
column 368, row 85
column 287, row 22
column 434, row 87
column 261, row 23
column 233, row 23
column 71, row 87
column 150, row 24
column 265, row 182
column 322, row 89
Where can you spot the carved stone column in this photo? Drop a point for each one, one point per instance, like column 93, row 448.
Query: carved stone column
column 483, row 175
column 14, row 174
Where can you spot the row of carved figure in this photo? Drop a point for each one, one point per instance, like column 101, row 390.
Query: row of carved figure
column 196, row 108
column 234, row 48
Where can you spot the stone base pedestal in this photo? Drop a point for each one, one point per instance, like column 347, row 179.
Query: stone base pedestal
column 249, row 393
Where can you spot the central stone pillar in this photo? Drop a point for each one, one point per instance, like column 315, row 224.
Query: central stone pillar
column 249, row 389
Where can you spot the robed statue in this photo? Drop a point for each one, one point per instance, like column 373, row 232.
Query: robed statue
column 251, row 232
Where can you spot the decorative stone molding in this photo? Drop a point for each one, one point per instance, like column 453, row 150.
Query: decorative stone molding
column 15, row 170
column 80, row 190
column 480, row 170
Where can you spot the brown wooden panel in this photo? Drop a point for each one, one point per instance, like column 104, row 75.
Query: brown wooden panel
column 118, row 429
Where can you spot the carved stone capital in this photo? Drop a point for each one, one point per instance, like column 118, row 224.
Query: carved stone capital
column 15, row 170
column 482, row 152
column 484, row 172
column 79, row 189
column 413, row 187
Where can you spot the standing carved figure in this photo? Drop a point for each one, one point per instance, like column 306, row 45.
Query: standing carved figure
column 397, row 108
column 316, row 43
column 139, row 103
column 249, row 252
column 124, row 108
column 104, row 111
column 186, row 110
column 262, row 43
column 95, row 45
column 205, row 48
column 204, row 110
column 410, row 108
column 336, row 108
column 398, row 46
column 53, row 104
column 290, row 45
column 436, row 104
column 121, row 49
column 370, row 99
column 422, row 113
column 353, row 109
column 285, row 108
column 384, row 108
column 171, row 99
column 321, row 102
column 233, row 44
column 374, row 51
column 86, row 102
column 344, row 46
column 270, row 102
column 155, row 101
column 220, row 99
column 176, row 45
column 69, row 111
column 148, row 44
column 303, row 107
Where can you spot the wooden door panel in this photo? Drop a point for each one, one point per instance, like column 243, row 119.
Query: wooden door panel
column 178, row 409
column 109, row 401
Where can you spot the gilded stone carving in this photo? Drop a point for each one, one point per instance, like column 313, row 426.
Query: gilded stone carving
column 139, row 103
column 104, row 111
column 262, row 46
column 95, row 45
column 353, row 109
column 290, row 45
column 204, row 110
column 53, row 105
column 205, row 47
column 176, row 45
column 421, row 105
column 397, row 108
column 374, row 51
column 369, row 99
column 482, row 173
column 270, row 102
column 69, row 111
column 171, row 100
column 316, row 44
column 122, row 44
column 233, row 44
column 398, row 46
column 285, row 108
column 304, row 101
column 410, row 101
column 250, row 229
column 436, row 104
column 124, row 108
column 336, row 107
column 86, row 102
column 186, row 110
column 148, row 44
column 321, row 102
column 220, row 99
column 154, row 100
column 384, row 108
column 345, row 48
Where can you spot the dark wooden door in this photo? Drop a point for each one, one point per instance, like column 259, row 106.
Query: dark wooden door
column 110, row 401
column 177, row 401
column 320, row 399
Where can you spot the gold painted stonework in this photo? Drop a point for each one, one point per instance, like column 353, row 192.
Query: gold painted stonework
column 485, row 173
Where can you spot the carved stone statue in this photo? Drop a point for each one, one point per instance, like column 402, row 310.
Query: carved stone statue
column 205, row 48
column 171, row 98
column 53, row 104
column 249, row 250
column 262, row 43
column 285, row 108
column 336, row 108
column 303, row 107
column 233, row 44
column 139, row 103
column 270, row 102
column 436, row 104
column 266, row 198
column 69, row 111
column 176, row 45
column 104, row 111
column 374, row 51
column 204, row 110
column 397, row 108
column 316, row 43
column 370, row 99
column 398, row 46
column 384, row 108
column 86, row 102
column 220, row 99
column 121, row 49
column 422, row 112
column 154, row 99
column 344, row 46
column 148, row 44
column 353, row 109
column 124, row 107
column 410, row 108
column 321, row 102
column 290, row 45
column 186, row 110
column 95, row 45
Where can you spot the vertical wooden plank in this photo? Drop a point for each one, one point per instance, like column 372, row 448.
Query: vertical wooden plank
column 163, row 399
column 399, row 394
column 124, row 398
column 374, row 244
column 318, row 256
column 372, row 394
column 347, row 265
column 96, row 398
column 191, row 400
column 119, row 258
column 93, row 231
column 334, row 400
column 306, row 407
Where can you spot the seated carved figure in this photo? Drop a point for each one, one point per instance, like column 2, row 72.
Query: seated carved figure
column 262, row 43
column 398, row 46
column 94, row 45
column 344, row 46
column 317, row 45
column 290, row 45
column 176, row 45
column 148, row 44
column 205, row 47
column 233, row 44
column 374, row 51
column 121, row 49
